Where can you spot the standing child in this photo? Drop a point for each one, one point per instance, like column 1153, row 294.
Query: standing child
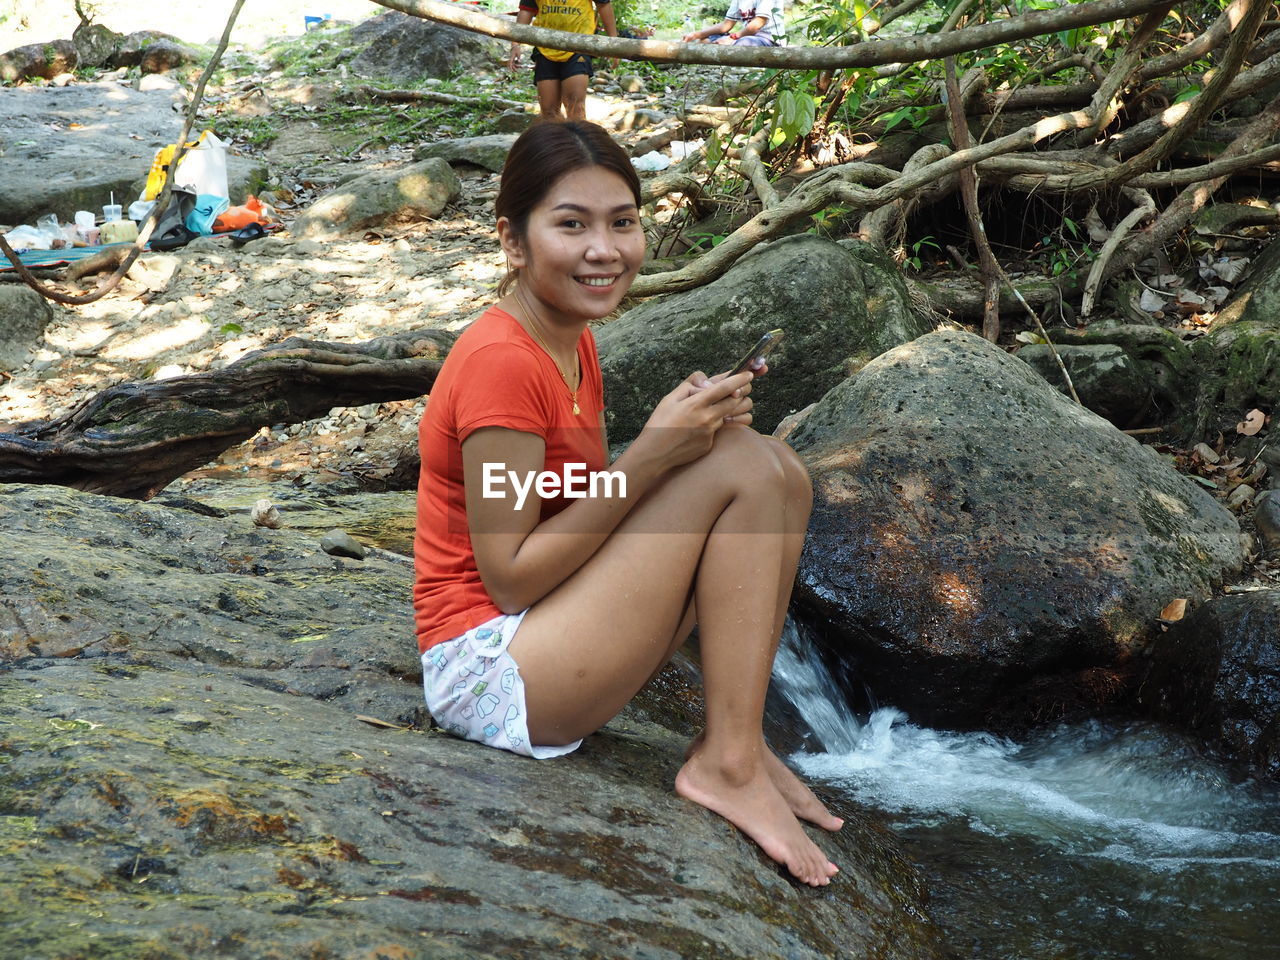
column 560, row 76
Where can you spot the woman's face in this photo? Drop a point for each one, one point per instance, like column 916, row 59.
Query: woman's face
column 582, row 247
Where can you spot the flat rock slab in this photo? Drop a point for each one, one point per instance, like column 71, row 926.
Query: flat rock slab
column 179, row 778
column 68, row 148
column 488, row 152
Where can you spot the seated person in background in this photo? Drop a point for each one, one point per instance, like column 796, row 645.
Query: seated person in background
column 749, row 23
column 561, row 76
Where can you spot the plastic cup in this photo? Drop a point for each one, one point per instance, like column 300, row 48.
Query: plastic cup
column 112, row 211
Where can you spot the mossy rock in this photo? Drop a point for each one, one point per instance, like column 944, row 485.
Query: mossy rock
column 840, row 307
column 1238, row 368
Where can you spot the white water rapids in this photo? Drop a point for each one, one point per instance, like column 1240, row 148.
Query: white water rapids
column 1122, row 841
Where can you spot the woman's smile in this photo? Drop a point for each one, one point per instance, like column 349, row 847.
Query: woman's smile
column 582, row 247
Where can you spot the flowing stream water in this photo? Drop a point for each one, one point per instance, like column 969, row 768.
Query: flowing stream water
column 1086, row 841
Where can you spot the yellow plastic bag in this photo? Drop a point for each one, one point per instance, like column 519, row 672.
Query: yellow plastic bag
column 203, row 168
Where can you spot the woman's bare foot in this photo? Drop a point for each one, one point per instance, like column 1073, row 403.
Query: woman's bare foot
column 749, row 800
column 802, row 801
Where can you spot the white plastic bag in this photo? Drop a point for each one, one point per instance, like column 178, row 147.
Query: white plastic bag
column 203, row 169
column 651, row 161
column 26, row 237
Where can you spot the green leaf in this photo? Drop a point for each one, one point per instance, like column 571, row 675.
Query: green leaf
column 715, row 150
column 231, row 328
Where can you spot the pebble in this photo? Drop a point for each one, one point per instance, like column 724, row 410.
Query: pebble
column 265, row 514
column 339, row 543
column 1241, row 495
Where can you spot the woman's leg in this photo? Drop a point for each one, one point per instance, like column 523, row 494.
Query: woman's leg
column 798, row 499
column 718, row 524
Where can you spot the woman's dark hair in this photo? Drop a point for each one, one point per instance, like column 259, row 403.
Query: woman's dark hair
column 542, row 155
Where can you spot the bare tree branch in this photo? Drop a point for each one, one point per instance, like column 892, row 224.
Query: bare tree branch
column 866, row 54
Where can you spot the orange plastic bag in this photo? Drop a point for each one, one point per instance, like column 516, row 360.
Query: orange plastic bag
column 233, row 218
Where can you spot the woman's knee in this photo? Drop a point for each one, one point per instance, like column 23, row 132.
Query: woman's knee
column 799, row 484
column 743, row 455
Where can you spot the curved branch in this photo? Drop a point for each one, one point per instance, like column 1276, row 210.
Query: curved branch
column 1146, row 207
column 752, row 166
column 866, row 54
column 1193, row 50
column 435, row 96
column 839, row 185
column 1248, row 82
column 1185, row 206
column 1105, row 104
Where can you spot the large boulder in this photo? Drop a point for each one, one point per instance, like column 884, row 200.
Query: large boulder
column 399, row 47
column 165, row 55
column 984, row 551
column 405, row 194
column 95, row 43
column 839, row 305
column 38, row 60
column 130, row 49
column 24, row 315
column 1218, row 672
column 211, row 735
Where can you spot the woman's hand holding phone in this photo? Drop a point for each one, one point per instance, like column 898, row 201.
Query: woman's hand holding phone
column 684, row 423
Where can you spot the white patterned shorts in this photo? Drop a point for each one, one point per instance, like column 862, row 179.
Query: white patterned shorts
column 475, row 692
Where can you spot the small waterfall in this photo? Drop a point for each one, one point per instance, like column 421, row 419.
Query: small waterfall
column 1120, row 831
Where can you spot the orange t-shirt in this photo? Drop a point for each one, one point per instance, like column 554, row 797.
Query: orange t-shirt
column 496, row 375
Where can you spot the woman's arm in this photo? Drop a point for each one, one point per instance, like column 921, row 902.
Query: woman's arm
column 520, row 559
column 752, row 26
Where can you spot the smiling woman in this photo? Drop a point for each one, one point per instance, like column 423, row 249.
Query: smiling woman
column 543, row 607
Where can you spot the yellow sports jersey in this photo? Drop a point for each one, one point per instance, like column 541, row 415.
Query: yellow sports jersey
column 575, row 16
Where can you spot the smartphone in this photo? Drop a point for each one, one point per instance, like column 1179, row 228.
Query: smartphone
column 764, row 346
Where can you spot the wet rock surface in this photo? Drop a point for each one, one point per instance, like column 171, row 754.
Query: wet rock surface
column 184, row 772
column 838, row 311
column 985, row 552
column 1218, row 673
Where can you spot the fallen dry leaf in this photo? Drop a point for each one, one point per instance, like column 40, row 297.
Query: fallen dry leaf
column 1174, row 611
column 1253, row 421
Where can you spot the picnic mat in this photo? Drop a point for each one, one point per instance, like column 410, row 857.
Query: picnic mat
column 57, row 258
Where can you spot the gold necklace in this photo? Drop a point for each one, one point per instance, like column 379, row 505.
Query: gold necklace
column 533, row 328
